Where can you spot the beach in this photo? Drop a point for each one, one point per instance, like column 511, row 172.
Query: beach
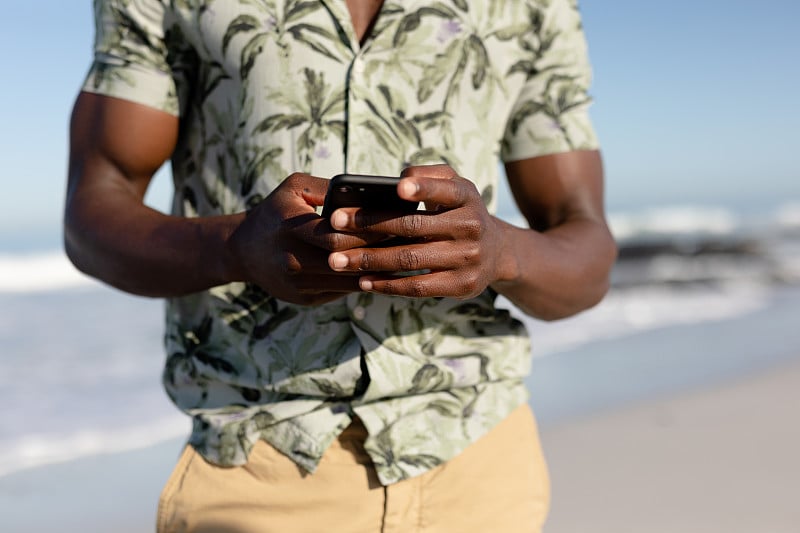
column 721, row 458
column 667, row 439
column 671, row 406
column 717, row 459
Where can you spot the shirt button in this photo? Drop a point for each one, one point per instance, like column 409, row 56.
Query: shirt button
column 358, row 66
column 359, row 313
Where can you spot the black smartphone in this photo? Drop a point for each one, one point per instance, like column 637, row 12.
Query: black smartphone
column 358, row 190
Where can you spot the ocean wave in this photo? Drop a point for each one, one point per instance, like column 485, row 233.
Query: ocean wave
column 696, row 265
column 788, row 216
column 674, row 220
column 80, row 426
column 675, row 229
column 624, row 312
column 36, row 272
column 33, row 450
column 627, row 312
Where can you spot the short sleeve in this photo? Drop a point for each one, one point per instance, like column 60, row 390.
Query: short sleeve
column 130, row 55
column 551, row 113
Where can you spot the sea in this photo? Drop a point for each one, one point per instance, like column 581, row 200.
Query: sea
column 700, row 293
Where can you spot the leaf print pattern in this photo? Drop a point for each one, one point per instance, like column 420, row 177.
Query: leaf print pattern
column 319, row 111
column 281, row 22
column 264, row 88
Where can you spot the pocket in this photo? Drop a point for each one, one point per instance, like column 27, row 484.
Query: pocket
column 171, row 488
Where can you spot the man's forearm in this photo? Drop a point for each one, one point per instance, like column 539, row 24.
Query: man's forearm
column 142, row 251
column 557, row 273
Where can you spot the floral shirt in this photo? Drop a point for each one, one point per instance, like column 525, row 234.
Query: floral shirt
column 264, row 88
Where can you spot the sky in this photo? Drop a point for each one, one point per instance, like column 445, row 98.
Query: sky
column 696, row 103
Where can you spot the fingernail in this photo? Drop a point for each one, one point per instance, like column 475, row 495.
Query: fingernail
column 409, row 188
column 339, row 220
column 365, row 284
column 339, row 260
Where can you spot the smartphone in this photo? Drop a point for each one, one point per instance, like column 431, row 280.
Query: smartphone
column 373, row 192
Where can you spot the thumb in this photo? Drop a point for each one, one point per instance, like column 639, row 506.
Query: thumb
column 439, row 171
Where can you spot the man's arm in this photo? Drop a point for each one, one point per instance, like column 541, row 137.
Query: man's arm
column 109, row 233
column 556, row 269
column 563, row 264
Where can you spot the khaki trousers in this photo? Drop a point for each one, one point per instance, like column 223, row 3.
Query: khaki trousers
column 498, row 484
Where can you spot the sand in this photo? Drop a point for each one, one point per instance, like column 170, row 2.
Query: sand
column 720, row 459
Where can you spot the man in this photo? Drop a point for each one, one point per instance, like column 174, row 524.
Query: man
column 328, row 393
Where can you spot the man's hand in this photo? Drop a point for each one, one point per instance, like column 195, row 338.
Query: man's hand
column 554, row 269
column 283, row 245
column 456, row 242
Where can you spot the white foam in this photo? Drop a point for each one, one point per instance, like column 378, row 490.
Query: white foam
column 32, row 450
column 35, row 272
column 625, row 312
column 622, row 313
column 788, row 216
column 674, row 220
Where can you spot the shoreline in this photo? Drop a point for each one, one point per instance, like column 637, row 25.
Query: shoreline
column 656, row 363
column 710, row 459
column 619, row 394
column 107, row 492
